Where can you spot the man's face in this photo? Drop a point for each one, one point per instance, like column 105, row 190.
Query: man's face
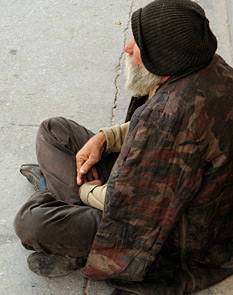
column 133, row 49
column 138, row 79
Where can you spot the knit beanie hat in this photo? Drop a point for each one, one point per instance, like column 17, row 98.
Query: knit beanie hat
column 173, row 35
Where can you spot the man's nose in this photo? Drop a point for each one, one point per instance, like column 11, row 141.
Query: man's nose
column 130, row 46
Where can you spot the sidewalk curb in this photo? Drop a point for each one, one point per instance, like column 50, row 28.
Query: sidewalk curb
column 230, row 12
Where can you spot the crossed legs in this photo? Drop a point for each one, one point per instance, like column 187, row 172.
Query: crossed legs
column 55, row 220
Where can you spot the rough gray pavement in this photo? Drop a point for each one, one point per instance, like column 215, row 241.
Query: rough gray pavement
column 65, row 58
column 230, row 10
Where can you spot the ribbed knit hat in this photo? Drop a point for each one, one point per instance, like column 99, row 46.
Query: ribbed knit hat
column 173, row 35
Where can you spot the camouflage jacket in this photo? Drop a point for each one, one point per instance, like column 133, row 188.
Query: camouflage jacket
column 168, row 214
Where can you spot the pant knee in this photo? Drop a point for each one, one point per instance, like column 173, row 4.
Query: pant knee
column 53, row 126
column 28, row 227
column 56, row 132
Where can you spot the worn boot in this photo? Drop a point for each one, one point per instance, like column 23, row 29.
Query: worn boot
column 54, row 265
column 34, row 175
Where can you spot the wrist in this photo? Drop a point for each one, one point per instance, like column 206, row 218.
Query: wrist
column 103, row 139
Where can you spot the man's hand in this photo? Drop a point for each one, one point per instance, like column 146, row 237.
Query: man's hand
column 88, row 156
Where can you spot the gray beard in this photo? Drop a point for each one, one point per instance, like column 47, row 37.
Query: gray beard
column 139, row 80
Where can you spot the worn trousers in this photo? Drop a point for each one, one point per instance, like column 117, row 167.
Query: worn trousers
column 55, row 220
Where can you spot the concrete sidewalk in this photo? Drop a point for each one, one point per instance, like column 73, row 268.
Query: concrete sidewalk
column 64, row 58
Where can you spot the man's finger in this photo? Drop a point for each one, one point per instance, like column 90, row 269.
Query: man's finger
column 80, row 180
column 83, row 170
column 86, row 167
column 95, row 173
column 79, row 163
column 90, row 176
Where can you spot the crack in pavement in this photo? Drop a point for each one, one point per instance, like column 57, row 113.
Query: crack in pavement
column 85, row 287
column 119, row 67
column 230, row 19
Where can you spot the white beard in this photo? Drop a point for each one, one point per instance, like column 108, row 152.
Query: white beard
column 138, row 79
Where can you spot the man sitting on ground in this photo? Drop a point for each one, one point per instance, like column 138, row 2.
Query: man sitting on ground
column 164, row 179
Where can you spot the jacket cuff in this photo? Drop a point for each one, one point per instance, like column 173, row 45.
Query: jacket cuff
column 110, row 139
column 93, row 195
column 86, row 189
column 115, row 137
